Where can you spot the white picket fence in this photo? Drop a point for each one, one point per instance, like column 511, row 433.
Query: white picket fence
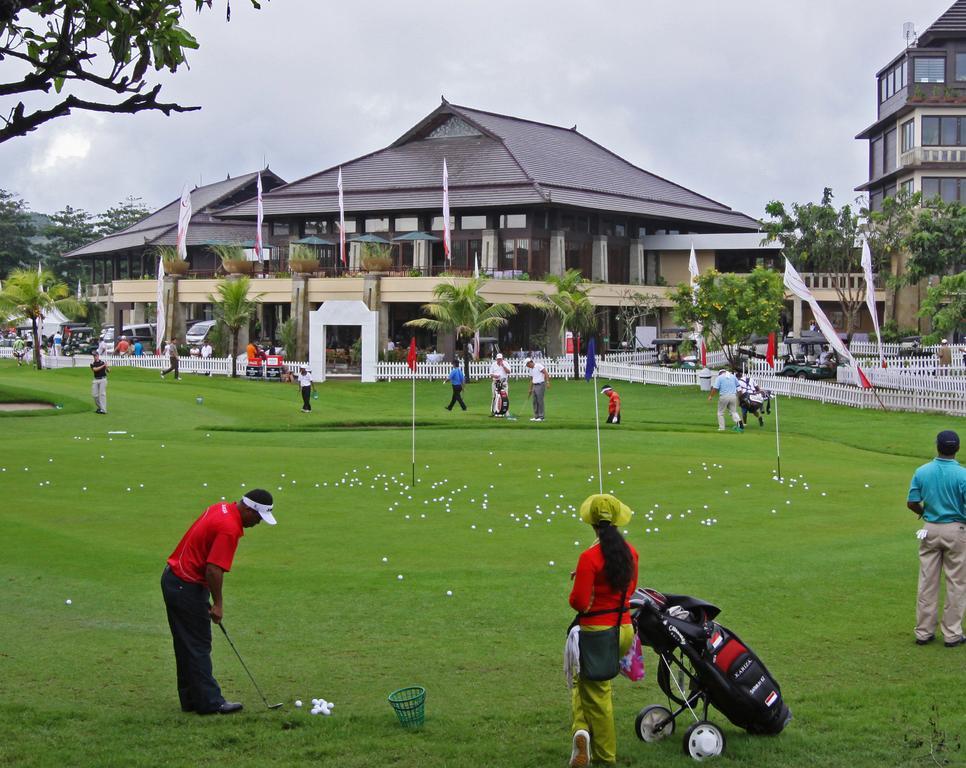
column 871, row 348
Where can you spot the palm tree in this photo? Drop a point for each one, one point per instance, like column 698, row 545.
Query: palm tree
column 460, row 309
column 31, row 295
column 572, row 306
column 233, row 308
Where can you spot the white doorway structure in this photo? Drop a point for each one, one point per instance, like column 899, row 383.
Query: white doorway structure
column 344, row 313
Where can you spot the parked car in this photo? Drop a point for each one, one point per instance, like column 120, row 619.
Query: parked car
column 143, row 332
column 198, row 333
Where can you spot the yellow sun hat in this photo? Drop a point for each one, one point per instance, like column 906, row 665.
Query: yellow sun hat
column 603, row 506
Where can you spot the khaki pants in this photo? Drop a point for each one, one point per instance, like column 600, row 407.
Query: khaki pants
column 99, row 393
column 728, row 403
column 593, row 707
column 942, row 551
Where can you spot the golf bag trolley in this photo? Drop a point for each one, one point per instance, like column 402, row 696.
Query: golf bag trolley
column 702, row 664
column 501, row 399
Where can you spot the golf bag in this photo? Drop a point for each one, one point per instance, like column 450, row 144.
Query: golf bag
column 756, row 403
column 701, row 663
column 501, row 399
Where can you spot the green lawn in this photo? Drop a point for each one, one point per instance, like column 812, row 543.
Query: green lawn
column 822, row 587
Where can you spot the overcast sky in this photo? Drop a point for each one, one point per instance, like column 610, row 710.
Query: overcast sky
column 742, row 101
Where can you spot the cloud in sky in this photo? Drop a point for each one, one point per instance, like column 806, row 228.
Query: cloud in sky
column 742, row 101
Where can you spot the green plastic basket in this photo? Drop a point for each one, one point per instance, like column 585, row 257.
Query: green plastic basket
column 410, row 705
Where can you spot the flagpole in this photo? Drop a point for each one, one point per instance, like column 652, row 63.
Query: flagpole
column 600, row 468
column 778, row 443
column 414, row 429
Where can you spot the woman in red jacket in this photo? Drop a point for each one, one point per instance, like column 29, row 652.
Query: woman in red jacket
column 605, row 573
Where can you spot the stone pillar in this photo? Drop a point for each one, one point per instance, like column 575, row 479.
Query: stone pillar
column 421, row 256
column 355, row 257
column 638, row 274
column 489, row 258
column 372, row 296
column 555, row 337
column 137, row 312
column 558, row 253
column 300, row 315
column 796, row 316
column 599, row 259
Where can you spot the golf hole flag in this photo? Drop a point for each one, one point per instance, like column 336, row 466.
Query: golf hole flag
column 770, row 351
column 870, row 296
column 411, row 357
column 795, row 284
column 446, row 236
column 591, row 360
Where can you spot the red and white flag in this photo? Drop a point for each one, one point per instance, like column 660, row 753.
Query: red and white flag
column 698, row 330
column 160, row 316
column 795, row 284
column 341, row 222
column 446, row 235
column 411, row 357
column 184, row 218
column 870, row 296
column 258, row 220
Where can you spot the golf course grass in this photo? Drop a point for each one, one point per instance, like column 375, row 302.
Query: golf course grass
column 819, row 580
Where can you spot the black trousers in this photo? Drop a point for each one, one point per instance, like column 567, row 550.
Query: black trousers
column 190, row 623
column 457, row 398
column 172, row 367
column 614, row 418
column 306, row 396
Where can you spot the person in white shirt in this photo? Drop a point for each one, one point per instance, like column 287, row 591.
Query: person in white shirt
column 206, row 353
column 306, row 386
column 539, row 383
column 499, row 372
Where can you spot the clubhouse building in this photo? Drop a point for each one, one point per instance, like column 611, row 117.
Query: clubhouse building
column 527, row 200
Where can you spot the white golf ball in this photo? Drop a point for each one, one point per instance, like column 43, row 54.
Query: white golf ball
column 449, row 593
column 298, row 702
column 385, row 559
column 551, row 562
column 400, row 577
column 68, row 601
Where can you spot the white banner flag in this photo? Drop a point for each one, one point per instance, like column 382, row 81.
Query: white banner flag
column 795, row 284
column 258, row 220
column 698, row 330
column 870, row 296
column 184, row 218
column 160, row 319
column 341, row 222
column 446, row 236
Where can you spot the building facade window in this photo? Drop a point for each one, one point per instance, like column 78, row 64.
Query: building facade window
column 513, row 221
column 875, row 200
column 578, row 254
column 943, row 131
column 949, row 189
column 350, row 226
column 406, row 224
column 438, row 223
column 892, row 81
column 960, row 67
column 907, row 187
column 877, row 159
column 280, row 228
column 377, row 225
column 472, row 222
column 931, row 69
column 908, row 135
column 891, row 158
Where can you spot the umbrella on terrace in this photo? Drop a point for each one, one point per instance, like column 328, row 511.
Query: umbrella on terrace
column 369, row 238
column 413, row 236
column 313, row 240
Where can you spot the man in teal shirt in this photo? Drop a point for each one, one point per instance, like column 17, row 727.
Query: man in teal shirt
column 938, row 495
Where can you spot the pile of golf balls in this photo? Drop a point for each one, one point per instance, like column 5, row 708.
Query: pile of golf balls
column 321, row 707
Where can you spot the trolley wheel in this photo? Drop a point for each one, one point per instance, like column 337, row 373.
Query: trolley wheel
column 669, row 680
column 646, row 726
column 703, row 740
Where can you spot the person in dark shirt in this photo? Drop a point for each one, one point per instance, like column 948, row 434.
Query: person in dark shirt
column 99, row 385
column 457, row 379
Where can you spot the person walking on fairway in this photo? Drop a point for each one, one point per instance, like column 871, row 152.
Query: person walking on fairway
column 171, row 350
column 727, row 387
column 457, row 379
column 938, row 495
column 613, row 404
column 539, row 384
column 605, row 577
column 194, row 574
column 307, row 387
column 99, row 385
column 19, row 350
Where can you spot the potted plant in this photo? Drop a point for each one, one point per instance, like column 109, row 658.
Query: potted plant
column 376, row 257
column 173, row 263
column 302, row 259
column 233, row 259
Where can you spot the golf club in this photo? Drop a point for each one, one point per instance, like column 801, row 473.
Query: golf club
column 245, row 666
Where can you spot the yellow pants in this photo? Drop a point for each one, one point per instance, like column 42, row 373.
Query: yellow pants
column 594, row 709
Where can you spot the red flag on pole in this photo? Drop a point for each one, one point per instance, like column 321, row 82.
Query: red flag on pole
column 863, row 379
column 704, row 353
column 770, row 352
column 411, row 357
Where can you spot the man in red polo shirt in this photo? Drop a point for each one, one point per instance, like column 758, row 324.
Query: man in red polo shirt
column 193, row 575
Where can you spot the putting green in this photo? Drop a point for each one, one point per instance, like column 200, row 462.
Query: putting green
column 819, row 580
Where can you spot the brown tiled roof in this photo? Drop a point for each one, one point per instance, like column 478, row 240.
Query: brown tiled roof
column 951, row 24
column 510, row 161
column 161, row 226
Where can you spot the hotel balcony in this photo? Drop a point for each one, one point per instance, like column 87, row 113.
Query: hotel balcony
column 924, row 156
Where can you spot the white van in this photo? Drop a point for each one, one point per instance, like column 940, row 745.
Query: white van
column 198, row 333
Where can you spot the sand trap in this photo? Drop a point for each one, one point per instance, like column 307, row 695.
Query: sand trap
column 24, row 406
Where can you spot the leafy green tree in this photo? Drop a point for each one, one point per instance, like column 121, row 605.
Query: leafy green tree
column 819, row 238
column 570, row 303
column 16, row 229
column 945, row 305
column 233, row 308
column 459, row 308
column 29, row 295
column 90, row 55
column 731, row 307
column 936, row 241
column 69, row 228
column 121, row 216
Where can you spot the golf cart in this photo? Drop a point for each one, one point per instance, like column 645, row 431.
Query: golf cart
column 81, row 341
column 669, row 354
column 804, row 358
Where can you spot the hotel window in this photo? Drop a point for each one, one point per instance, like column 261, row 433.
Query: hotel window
column 877, row 160
column 930, row 70
column 620, row 230
column 943, row 131
column 892, row 81
column 377, row 225
column 408, row 224
column 875, row 200
column 513, row 221
column 960, row 67
column 350, row 226
column 891, row 161
column 472, row 222
column 949, row 189
column 908, row 135
column 438, row 223
column 279, row 227
column 907, row 187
